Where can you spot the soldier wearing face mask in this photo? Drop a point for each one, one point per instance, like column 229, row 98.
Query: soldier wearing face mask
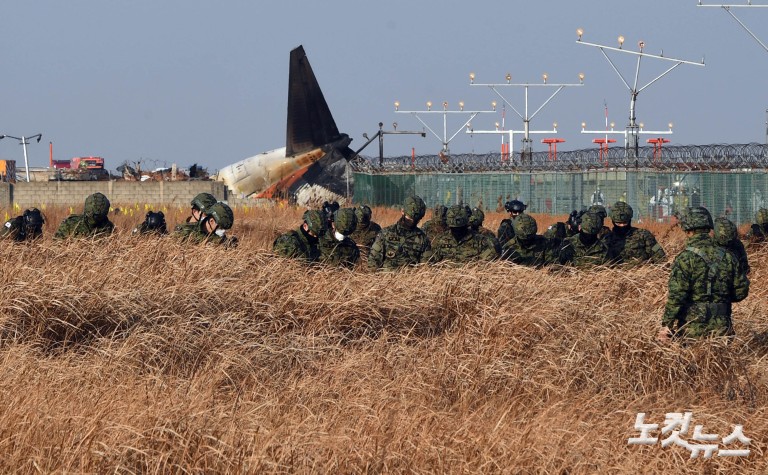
column 628, row 244
column 302, row 243
column 528, row 248
column 336, row 248
column 403, row 243
column 586, row 248
column 460, row 244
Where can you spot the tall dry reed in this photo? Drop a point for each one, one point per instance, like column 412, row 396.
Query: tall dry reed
column 142, row 355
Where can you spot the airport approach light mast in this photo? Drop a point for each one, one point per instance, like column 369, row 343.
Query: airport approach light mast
column 526, row 151
column 23, row 141
column 633, row 130
column 727, row 9
column 444, row 140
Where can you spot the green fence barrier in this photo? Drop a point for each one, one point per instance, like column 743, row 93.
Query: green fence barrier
column 652, row 194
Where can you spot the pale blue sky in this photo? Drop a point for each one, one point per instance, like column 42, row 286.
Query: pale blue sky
column 192, row 81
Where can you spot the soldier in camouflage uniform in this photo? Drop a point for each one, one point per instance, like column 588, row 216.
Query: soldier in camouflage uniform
column 603, row 213
column 366, row 230
column 476, row 219
column 628, row 244
column 302, row 243
column 758, row 233
column 27, row 227
column 703, row 283
column 585, row 249
column 212, row 229
column 460, row 244
column 506, row 232
column 336, row 248
column 436, row 225
column 727, row 236
column 527, row 248
column 92, row 223
column 153, row 224
column 567, row 229
column 199, row 203
column 403, row 243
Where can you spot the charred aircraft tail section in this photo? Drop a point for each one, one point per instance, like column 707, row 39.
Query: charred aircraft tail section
column 313, row 143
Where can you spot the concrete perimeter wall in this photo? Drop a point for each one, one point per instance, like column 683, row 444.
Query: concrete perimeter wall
column 71, row 193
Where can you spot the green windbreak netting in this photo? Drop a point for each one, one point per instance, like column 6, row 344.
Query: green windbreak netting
column 652, row 194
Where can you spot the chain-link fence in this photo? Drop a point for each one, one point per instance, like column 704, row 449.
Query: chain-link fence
column 653, row 194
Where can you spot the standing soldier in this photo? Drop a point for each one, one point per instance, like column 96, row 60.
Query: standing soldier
column 727, row 236
column 527, row 248
column 336, row 248
column 27, row 227
column 366, row 230
column 302, row 243
column 758, row 233
column 92, row 223
column 199, row 203
column 436, row 225
column 628, row 244
column 403, row 243
column 703, row 283
column 515, row 208
column 585, row 249
column 461, row 244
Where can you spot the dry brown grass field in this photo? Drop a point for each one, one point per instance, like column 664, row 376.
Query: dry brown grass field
column 141, row 355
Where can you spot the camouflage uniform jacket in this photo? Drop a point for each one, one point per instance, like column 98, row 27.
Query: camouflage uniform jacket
column 186, row 228
column 637, row 246
column 15, row 230
column 295, row 245
column 578, row 254
column 506, row 231
column 79, row 225
column 703, row 283
column 364, row 236
column 736, row 247
column 395, row 247
column 472, row 247
column 193, row 233
column 338, row 253
column 540, row 252
column 434, row 228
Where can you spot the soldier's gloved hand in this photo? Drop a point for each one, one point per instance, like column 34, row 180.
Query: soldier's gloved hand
column 664, row 335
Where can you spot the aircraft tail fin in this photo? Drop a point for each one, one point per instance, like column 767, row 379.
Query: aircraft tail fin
column 310, row 123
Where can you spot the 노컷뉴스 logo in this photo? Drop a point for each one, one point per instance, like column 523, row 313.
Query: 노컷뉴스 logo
column 675, row 432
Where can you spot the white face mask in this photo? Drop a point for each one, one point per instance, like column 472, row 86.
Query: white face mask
column 220, row 232
column 338, row 236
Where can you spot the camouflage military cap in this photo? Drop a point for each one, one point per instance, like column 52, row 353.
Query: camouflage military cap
column 591, row 223
column 363, row 214
column 599, row 209
column 477, row 217
column 222, row 214
column 725, row 231
column 202, row 201
column 621, row 212
column 761, row 217
column 414, row 207
column 315, row 221
column 96, row 205
column 525, row 226
column 345, row 221
column 515, row 206
column 457, row 217
column 696, row 218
